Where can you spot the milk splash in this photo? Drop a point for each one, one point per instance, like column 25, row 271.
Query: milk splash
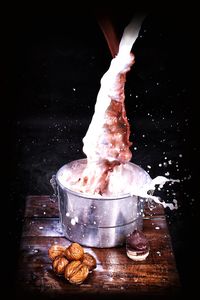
column 106, row 143
column 146, row 191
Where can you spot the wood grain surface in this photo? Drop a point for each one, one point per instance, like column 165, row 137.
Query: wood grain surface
column 115, row 274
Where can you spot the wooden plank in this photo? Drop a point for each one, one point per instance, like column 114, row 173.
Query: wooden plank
column 115, row 272
column 46, row 206
column 41, row 206
column 153, row 211
column 52, row 226
column 128, row 277
column 35, row 250
column 159, row 264
column 42, row 227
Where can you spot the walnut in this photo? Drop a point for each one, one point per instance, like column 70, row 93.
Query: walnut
column 71, row 262
column 59, row 264
column 89, row 261
column 72, row 267
column 55, row 250
column 74, row 252
column 76, row 272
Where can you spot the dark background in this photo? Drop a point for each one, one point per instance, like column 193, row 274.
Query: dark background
column 52, row 68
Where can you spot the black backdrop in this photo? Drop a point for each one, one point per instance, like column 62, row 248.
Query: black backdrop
column 53, row 65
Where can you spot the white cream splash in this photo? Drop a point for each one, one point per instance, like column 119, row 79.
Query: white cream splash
column 146, row 191
column 108, row 171
column 125, row 179
column 112, row 87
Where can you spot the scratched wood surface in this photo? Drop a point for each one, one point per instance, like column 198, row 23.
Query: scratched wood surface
column 115, row 274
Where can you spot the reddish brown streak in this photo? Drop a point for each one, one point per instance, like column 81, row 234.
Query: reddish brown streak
column 110, row 34
column 118, row 130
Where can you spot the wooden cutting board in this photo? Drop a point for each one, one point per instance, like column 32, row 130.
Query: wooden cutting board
column 115, row 275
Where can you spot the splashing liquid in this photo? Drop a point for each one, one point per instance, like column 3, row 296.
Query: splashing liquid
column 106, row 143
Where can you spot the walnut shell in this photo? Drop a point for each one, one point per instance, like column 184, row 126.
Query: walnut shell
column 76, row 272
column 71, row 268
column 74, row 252
column 89, row 261
column 59, row 264
column 55, row 250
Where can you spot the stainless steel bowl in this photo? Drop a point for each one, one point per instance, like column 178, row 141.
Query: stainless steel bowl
column 97, row 221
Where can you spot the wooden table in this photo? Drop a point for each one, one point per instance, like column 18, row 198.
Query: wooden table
column 115, row 274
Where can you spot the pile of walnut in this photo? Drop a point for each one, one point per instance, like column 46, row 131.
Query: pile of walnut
column 71, row 262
